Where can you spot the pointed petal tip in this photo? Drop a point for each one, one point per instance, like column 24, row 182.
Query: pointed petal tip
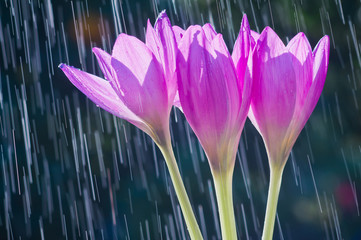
column 161, row 16
column 268, row 31
column 299, row 42
column 323, row 43
column 208, row 25
column 149, row 23
column 101, row 55
column 193, row 29
column 209, row 31
column 325, row 40
column 245, row 23
column 270, row 38
column 66, row 68
column 300, row 35
column 96, row 50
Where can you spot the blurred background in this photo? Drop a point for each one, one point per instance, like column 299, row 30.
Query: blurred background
column 69, row 170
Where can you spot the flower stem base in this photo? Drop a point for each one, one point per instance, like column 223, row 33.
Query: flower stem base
column 272, row 200
column 223, row 185
column 181, row 193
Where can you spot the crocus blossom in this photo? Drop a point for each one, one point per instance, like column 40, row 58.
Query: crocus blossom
column 140, row 84
column 140, row 87
column 287, row 83
column 213, row 93
column 215, row 99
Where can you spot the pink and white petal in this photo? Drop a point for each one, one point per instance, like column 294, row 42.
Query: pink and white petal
column 203, row 90
column 153, row 43
column 101, row 93
column 228, row 72
column 246, row 98
column 164, row 30
column 103, row 61
column 209, row 31
column 196, row 90
column 133, row 54
column 143, row 89
column 302, row 61
column 178, row 33
column 274, row 87
column 321, row 55
column 320, row 65
column 248, row 77
column 241, row 50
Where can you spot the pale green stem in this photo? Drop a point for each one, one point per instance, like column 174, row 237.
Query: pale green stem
column 272, row 200
column 180, row 190
column 223, row 185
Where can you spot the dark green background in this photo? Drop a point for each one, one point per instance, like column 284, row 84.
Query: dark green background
column 331, row 139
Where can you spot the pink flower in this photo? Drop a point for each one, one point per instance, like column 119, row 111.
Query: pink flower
column 287, row 83
column 140, row 83
column 213, row 93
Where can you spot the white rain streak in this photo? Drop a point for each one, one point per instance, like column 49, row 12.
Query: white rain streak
column 314, row 184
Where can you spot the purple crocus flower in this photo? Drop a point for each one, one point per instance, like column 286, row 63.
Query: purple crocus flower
column 140, row 83
column 287, row 83
column 140, row 86
column 213, row 93
column 215, row 99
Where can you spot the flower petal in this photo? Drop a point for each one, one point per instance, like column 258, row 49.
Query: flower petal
column 178, row 33
column 255, row 35
column 320, row 65
column 104, row 62
column 168, row 42
column 153, row 42
column 302, row 61
column 241, row 50
column 274, row 87
column 205, row 79
column 101, row 93
column 139, row 80
column 162, row 42
column 209, row 31
column 227, row 73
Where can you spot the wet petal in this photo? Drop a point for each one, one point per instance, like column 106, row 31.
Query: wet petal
column 320, row 65
column 153, row 42
column 178, row 33
column 302, row 61
column 139, row 80
column 100, row 92
column 241, row 50
column 104, row 62
column 162, row 42
column 168, row 42
column 209, row 31
column 274, row 87
column 229, row 77
column 208, row 89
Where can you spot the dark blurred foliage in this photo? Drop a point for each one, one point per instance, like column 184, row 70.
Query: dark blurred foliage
column 130, row 197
